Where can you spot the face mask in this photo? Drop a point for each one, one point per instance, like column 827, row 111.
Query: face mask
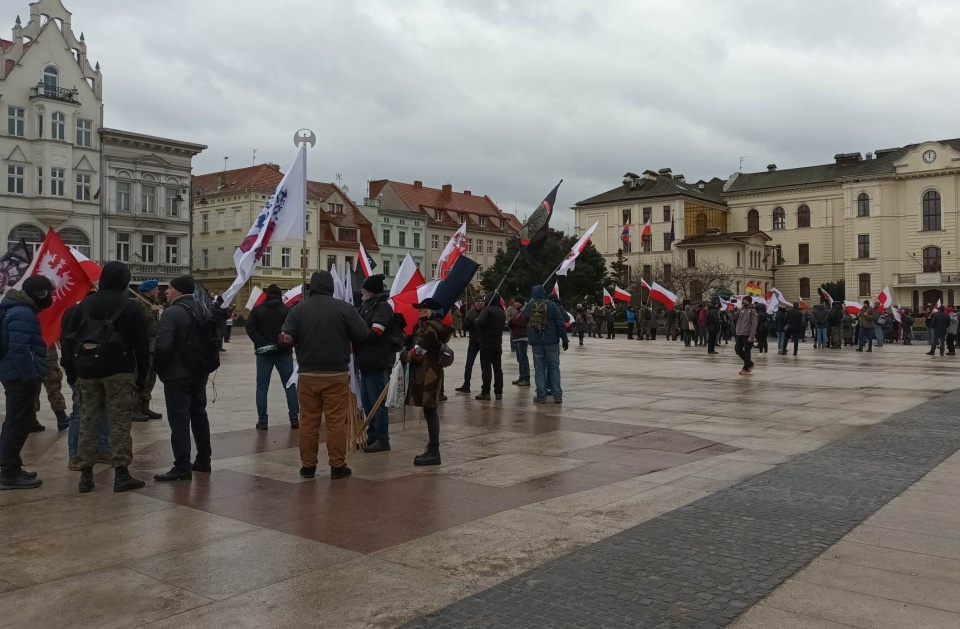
column 43, row 299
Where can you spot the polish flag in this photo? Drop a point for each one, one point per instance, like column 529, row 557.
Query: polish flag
column 663, row 295
column 367, row 265
column 91, row 268
column 939, row 304
column 408, row 277
column 885, row 298
column 257, row 297
column 570, row 262
column 70, row 283
column 647, row 228
column 607, row 298
column 556, row 290
column 852, row 307
column 897, row 314
column 293, row 295
column 621, row 295
column 825, row 296
column 643, row 283
column 802, row 303
column 454, row 249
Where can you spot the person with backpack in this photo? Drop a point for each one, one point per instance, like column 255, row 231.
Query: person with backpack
column 632, row 323
column 186, row 353
column 22, row 367
column 322, row 329
column 473, row 344
column 545, row 330
column 906, row 327
column 489, row 326
column 263, row 327
column 376, row 358
column 110, row 359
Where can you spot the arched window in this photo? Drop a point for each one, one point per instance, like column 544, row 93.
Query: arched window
column 73, row 237
column 931, row 210
column 58, row 126
column 931, row 259
column 753, row 220
column 863, row 204
column 701, row 223
column 803, row 216
column 805, row 287
column 691, row 258
column 51, row 80
column 779, row 218
column 30, row 234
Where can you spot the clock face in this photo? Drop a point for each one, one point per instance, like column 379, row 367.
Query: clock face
column 929, row 156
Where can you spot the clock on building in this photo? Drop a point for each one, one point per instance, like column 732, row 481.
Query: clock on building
column 929, row 156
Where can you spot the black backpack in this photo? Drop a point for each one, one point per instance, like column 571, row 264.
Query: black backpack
column 200, row 352
column 396, row 332
column 97, row 345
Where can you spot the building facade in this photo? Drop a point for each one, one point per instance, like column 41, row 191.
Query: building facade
column 225, row 206
column 399, row 232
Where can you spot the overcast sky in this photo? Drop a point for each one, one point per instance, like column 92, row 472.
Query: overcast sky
column 505, row 97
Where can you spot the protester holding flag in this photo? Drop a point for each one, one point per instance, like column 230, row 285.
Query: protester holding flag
column 263, row 327
column 22, row 367
column 546, row 328
column 375, row 358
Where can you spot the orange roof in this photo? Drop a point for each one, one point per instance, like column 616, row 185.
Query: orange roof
column 6, row 45
column 416, row 195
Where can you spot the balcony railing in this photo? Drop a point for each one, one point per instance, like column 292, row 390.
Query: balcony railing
column 55, row 93
column 138, row 269
column 932, row 279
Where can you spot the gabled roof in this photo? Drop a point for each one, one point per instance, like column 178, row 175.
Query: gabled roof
column 417, row 195
column 639, row 188
column 718, row 239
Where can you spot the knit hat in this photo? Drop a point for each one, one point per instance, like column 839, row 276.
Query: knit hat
column 39, row 289
column 274, row 290
column 184, row 284
column 374, row 284
column 148, row 285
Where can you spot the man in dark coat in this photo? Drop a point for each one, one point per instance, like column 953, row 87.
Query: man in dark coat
column 546, row 328
column 795, row 327
column 263, row 327
column 375, row 359
column 489, row 328
column 713, row 327
column 473, row 345
column 939, row 324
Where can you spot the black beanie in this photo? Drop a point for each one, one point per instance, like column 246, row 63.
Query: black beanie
column 274, row 290
column 374, row 284
column 39, row 289
column 184, row 284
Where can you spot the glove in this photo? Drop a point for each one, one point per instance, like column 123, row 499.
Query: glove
column 566, row 344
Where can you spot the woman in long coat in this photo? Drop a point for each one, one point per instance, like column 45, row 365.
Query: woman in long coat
column 422, row 355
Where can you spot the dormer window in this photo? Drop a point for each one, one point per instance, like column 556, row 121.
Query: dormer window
column 483, row 221
column 461, row 218
column 438, row 215
column 51, row 80
column 503, row 223
column 348, row 235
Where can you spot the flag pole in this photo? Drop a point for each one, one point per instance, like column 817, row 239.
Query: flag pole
column 504, row 278
column 302, row 138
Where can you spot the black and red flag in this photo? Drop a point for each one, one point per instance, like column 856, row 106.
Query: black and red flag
column 533, row 235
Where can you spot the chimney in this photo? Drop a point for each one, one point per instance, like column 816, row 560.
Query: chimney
column 221, row 180
column 276, row 167
column 666, row 172
column 417, row 184
column 649, row 174
column 869, row 155
column 680, row 178
column 771, row 168
column 447, row 190
column 467, row 193
column 700, row 185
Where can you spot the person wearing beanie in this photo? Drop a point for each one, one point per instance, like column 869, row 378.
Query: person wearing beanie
column 108, row 375
column 148, row 292
column 263, row 326
column 22, row 367
column 489, row 326
column 375, row 359
column 184, row 389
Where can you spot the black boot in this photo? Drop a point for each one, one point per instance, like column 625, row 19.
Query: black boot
column 122, row 481
column 63, row 422
column 430, row 456
column 150, row 414
column 86, row 480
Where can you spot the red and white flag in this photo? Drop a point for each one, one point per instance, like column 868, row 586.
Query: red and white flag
column 56, row 262
column 885, row 298
column 647, row 228
column 408, row 277
column 621, row 295
column 825, row 296
column 257, row 297
column 367, row 265
column 607, row 298
column 939, row 304
column 556, row 290
column 570, row 262
column 293, row 295
column 663, row 295
column 454, row 249
column 852, row 307
column 91, row 268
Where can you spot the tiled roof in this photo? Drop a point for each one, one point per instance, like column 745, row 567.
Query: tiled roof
column 661, row 186
column 421, row 196
column 711, row 239
column 5, row 45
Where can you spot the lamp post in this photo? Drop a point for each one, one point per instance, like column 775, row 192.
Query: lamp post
column 197, row 190
column 304, row 137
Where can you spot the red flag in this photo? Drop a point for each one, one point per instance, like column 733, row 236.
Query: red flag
column 71, row 284
column 852, row 307
column 663, row 295
column 621, row 295
column 293, row 295
column 556, row 290
column 885, row 298
column 647, row 229
column 607, row 298
column 367, row 265
column 91, row 268
column 408, row 277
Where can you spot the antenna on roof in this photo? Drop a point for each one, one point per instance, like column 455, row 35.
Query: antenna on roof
column 742, row 157
column 254, row 157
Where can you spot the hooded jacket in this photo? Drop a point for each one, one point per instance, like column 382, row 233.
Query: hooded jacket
column 110, row 302
column 24, row 352
column 821, row 317
column 375, row 353
column 265, row 322
column 490, row 324
column 794, row 323
column 324, row 327
column 176, row 325
column 747, row 323
column 556, row 329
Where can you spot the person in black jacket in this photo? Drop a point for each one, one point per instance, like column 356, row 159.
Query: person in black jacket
column 111, row 377
column 263, row 327
column 473, row 345
column 794, row 327
column 184, row 390
column 489, row 328
column 763, row 329
column 375, row 359
column 713, row 327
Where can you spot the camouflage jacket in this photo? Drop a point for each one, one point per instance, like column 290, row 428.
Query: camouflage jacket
column 153, row 320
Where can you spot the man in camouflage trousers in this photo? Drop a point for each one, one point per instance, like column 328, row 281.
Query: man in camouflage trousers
column 52, row 383
column 149, row 291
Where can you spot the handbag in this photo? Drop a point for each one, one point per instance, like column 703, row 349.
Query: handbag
column 446, row 356
column 397, row 386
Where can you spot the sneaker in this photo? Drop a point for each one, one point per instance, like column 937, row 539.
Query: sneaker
column 518, row 381
column 340, row 472
column 464, row 389
column 173, row 475
column 539, row 400
column 201, row 467
column 483, row 397
column 261, row 425
column 74, row 464
column 20, row 482
column 308, row 472
column 377, row 446
column 28, row 475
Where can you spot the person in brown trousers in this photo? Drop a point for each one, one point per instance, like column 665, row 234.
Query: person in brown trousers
column 322, row 329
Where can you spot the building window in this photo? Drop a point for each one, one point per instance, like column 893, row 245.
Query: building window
column 58, row 180
column 267, row 258
column 205, row 222
column 402, row 238
column 931, row 210
column 16, row 117
column 386, row 268
column 205, row 258
column 237, row 220
column 863, row 204
column 503, row 223
column 148, row 246
column 85, row 133
column 39, row 180
column 691, row 258
column 864, row 281
column 647, row 213
column 647, row 243
column 627, row 216
column 15, row 177
column 58, row 126
column 83, row 187
column 446, row 239
column 286, row 254
column 480, row 245
column 803, row 256
column 701, row 223
column 172, row 250
column 123, row 247
column 435, row 242
column 666, row 213
column 803, row 216
column 305, row 260
column 307, row 223
column 489, row 247
column 482, row 221
column 667, row 273
column 667, row 243
column 499, row 246
column 221, row 259
column 469, row 245
column 123, row 197
column 51, row 81
column 738, row 259
column 438, row 215
column 931, row 260
column 461, row 218
column 348, row 235
column 386, row 237
column 863, row 246
column 171, row 196
column 779, row 218
column 778, row 255
column 753, row 220
column 647, row 273
column 804, row 287
column 331, row 262
column 416, row 240
column 433, row 270
column 148, row 199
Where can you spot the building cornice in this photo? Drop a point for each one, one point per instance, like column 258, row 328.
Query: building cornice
column 129, row 139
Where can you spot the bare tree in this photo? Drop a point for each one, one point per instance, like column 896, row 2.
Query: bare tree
column 688, row 282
